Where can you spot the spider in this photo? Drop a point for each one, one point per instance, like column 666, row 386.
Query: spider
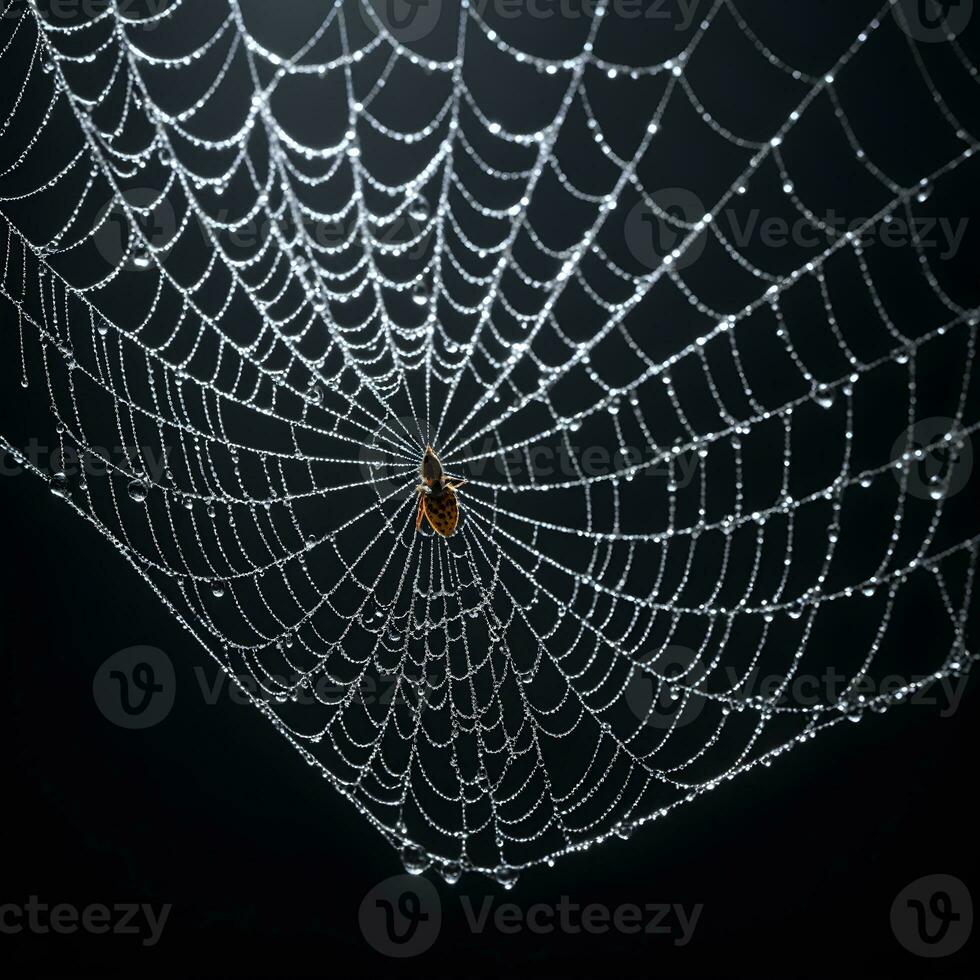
column 437, row 496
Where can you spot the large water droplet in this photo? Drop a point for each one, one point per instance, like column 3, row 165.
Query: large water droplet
column 137, row 491
column 419, row 210
column 823, row 396
column 414, row 859
column 59, row 484
column 218, row 590
column 451, row 872
column 140, row 259
column 506, row 876
column 937, row 487
column 420, row 294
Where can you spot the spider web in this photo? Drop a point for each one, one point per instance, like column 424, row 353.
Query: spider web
column 282, row 267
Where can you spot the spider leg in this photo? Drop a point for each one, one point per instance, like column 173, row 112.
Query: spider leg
column 455, row 482
column 418, row 517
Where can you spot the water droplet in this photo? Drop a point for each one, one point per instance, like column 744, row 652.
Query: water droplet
column 937, row 487
column 924, row 192
column 59, row 484
column 218, row 590
column 140, row 259
column 506, row 876
column 137, row 491
column 420, row 294
column 451, row 872
column 419, row 210
column 823, row 396
column 414, row 859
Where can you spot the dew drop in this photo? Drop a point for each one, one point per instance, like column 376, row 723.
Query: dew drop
column 451, row 872
column 137, row 491
column 59, row 484
column 140, row 259
column 414, row 859
column 823, row 396
column 419, row 210
column 506, row 876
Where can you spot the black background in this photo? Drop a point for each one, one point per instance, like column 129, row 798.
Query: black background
column 265, row 868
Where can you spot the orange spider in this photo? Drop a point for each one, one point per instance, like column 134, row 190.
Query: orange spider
column 437, row 496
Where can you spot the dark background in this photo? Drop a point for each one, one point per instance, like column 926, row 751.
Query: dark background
column 796, row 866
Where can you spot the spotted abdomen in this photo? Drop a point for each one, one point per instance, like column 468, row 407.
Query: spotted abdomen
column 442, row 512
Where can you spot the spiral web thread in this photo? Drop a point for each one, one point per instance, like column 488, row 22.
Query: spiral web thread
column 514, row 693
